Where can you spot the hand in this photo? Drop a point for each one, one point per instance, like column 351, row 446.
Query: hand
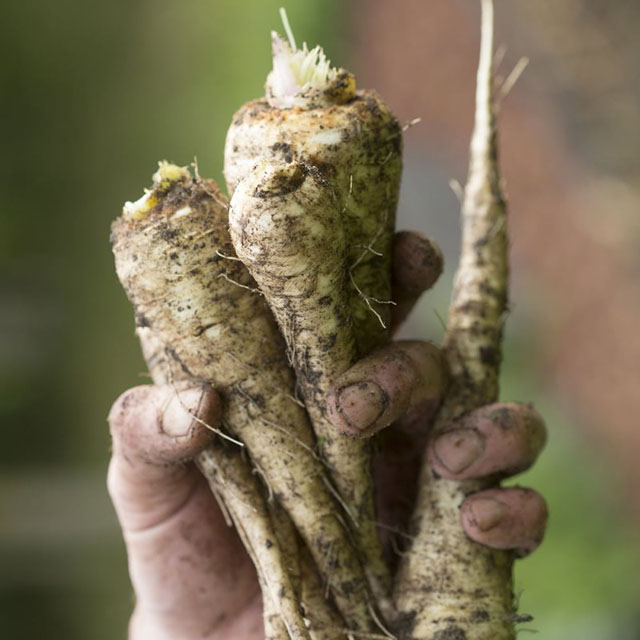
column 190, row 572
column 397, row 390
column 191, row 575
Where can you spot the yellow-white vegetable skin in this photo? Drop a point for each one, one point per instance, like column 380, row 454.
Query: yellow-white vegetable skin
column 353, row 142
column 448, row 586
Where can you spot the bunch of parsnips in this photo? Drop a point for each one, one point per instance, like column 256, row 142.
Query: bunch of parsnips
column 269, row 297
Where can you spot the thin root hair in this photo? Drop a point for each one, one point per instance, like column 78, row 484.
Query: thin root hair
column 239, row 284
column 221, row 504
column 226, row 257
column 369, row 248
column 252, row 367
column 411, row 123
column 458, row 190
column 367, row 300
column 259, row 472
column 377, row 620
column 396, row 548
column 196, row 171
column 509, row 82
column 336, row 494
column 387, row 527
column 276, row 426
column 346, row 200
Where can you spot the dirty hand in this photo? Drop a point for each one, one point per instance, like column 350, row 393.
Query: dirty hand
column 397, row 390
column 190, row 572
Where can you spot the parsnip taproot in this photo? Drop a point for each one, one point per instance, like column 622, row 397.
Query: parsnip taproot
column 323, row 620
column 285, row 567
column 243, row 500
column 448, row 586
column 349, row 142
column 177, row 265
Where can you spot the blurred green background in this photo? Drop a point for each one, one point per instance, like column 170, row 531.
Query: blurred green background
column 94, row 93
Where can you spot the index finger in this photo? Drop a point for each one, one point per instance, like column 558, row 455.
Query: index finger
column 405, row 379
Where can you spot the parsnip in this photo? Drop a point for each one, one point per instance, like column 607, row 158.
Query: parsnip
column 323, row 620
column 176, row 263
column 348, row 142
column 447, row 586
column 239, row 493
column 286, row 227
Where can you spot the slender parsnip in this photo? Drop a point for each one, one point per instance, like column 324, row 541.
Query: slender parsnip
column 447, row 585
column 238, row 490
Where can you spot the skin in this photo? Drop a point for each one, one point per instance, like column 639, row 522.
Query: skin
column 190, row 573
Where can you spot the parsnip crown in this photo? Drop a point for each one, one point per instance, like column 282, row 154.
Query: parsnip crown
column 166, row 176
column 304, row 77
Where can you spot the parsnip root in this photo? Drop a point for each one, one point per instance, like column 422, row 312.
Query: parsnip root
column 448, row 586
column 314, row 121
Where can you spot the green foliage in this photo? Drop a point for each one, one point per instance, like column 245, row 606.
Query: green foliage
column 582, row 582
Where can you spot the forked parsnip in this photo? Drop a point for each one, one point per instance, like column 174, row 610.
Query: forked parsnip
column 448, row 587
column 175, row 260
column 287, row 227
column 350, row 143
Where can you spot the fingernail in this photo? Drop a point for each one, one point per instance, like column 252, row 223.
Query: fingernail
column 458, row 449
column 487, row 513
column 362, row 404
column 177, row 418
